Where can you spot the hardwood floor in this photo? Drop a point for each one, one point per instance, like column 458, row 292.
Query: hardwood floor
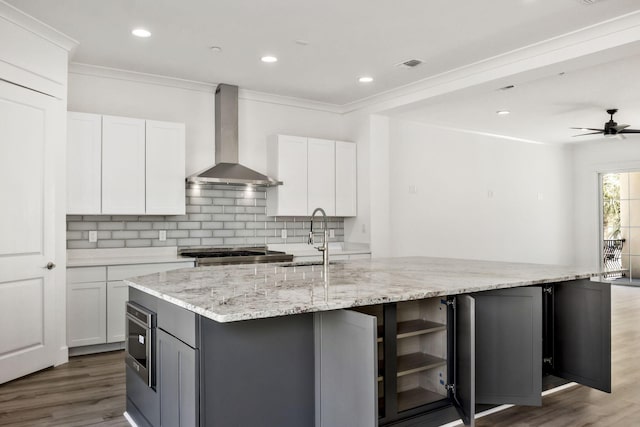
column 90, row 390
column 87, row 391
column 582, row 406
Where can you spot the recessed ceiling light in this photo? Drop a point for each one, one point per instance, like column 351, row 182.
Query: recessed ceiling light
column 269, row 59
column 302, row 42
column 503, row 112
column 365, row 79
column 141, row 32
column 215, row 49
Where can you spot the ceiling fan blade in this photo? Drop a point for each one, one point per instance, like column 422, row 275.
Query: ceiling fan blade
column 590, row 133
column 620, row 127
column 629, row 131
column 599, row 130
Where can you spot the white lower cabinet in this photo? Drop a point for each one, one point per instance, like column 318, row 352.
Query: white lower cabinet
column 86, row 313
column 96, row 298
column 117, row 296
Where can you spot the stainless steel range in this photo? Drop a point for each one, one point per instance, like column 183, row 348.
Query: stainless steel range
column 220, row 256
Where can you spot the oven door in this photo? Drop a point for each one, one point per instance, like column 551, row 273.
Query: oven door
column 140, row 325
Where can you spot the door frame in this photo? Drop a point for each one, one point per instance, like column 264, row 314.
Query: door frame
column 626, row 167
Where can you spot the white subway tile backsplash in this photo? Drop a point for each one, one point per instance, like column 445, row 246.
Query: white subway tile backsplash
column 200, row 233
column 124, row 234
column 211, row 209
column 138, row 243
column 110, row 243
column 139, row 225
column 80, row 226
column 216, row 215
column 189, row 225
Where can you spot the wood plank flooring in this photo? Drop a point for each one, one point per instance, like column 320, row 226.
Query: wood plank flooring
column 87, row 391
column 90, row 390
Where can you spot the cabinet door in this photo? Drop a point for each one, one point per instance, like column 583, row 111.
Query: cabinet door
column 165, row 174
column 346, row 369
column 463, row 356
column 86, row 313
column 123, row 165
column 177, row 382
column 509, row 346
column 582, row 333
column 84, row 145
column 346, row 179
column 321, row 185
column 117, row 295
column 287, row 162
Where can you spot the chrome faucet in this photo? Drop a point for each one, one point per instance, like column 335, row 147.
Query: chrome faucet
column 325, row 243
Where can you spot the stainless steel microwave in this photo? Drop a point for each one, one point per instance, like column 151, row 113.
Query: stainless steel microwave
column 140, row 347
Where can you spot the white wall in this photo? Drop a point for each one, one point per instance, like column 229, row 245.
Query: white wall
column 193, row 104
column 451, row 213
column 357, row 128
column 589, row 159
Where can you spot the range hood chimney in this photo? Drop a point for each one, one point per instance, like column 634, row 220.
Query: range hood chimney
column 227, row 169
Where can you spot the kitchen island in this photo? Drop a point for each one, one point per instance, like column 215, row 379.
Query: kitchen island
column 288, row 345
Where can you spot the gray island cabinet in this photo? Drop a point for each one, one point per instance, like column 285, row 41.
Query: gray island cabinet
column 404, row 341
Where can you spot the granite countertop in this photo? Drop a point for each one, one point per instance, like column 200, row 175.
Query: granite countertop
column 232, row 293
column 123, row 256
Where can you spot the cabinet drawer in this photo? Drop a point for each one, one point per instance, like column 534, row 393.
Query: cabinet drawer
column 86, row 274
column 179, row 322
column 120, row 272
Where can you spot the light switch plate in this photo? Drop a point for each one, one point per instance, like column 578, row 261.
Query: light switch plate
column 332, row 233
column 162, row 235
column 283, row 233
column 93, row 236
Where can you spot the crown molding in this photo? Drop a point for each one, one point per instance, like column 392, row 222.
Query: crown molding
column 39, row 28
column 597, row 38
column 289, row 101
column 137, row 77
column 156, row 79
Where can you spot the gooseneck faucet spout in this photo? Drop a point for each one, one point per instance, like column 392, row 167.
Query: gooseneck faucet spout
column 325, row 242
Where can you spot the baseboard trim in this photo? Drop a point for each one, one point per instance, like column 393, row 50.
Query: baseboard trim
column 98, row 348
column 129, row 419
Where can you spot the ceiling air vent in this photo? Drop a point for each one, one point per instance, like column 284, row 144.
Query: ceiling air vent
column 588, row 2
column 411, row 63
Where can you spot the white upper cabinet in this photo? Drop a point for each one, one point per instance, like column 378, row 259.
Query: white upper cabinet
column 165, row 159
column 346, row 179
column 123, row 165
column 287, row 162
column 321, row 176
column 84, row 143
column 316, row 173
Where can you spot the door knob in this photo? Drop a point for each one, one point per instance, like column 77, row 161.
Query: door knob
column 50, row 266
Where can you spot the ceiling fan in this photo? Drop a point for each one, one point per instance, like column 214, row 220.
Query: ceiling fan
column 611, row 128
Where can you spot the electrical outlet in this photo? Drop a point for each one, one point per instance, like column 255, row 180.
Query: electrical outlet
column 283, row 233
column 93, row 236
column 332, row 233
column 162, row 235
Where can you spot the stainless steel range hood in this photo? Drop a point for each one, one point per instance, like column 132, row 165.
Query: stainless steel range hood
column 227, row 169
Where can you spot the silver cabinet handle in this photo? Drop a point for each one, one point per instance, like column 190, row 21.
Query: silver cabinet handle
column 50, row 266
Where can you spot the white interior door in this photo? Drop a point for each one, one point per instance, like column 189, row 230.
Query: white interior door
column 27, row 220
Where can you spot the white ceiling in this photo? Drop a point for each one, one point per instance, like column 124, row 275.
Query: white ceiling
column 346, row 39
column 571, row 94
